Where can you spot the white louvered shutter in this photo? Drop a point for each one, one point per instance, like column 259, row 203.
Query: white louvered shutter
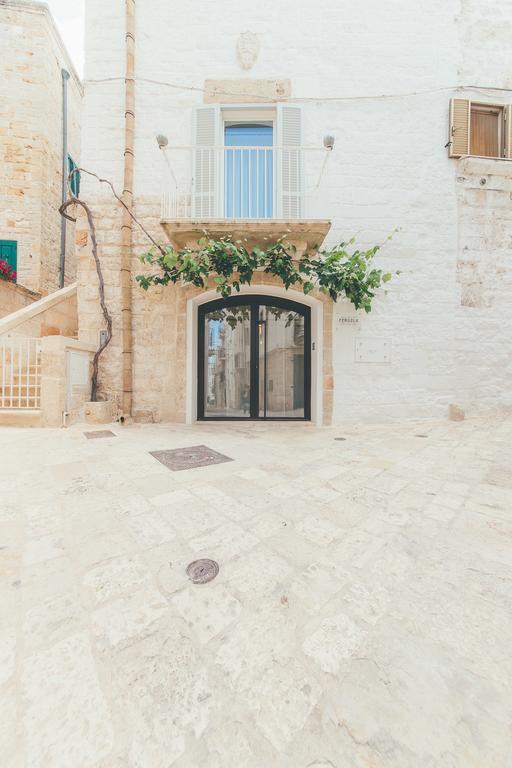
column 205, row 187
column 460, row 127
column 290, row 183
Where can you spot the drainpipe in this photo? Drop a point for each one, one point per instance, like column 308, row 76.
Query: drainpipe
column 126, row 226
column 62, row 268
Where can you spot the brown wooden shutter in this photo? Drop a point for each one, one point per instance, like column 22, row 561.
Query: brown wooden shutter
column 460, row 112
column 508, row 131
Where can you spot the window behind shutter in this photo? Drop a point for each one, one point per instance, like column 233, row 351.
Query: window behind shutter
column 460, row 115
column 290, row 166
column 205, row 188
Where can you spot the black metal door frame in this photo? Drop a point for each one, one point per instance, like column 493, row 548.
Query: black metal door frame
column 253, row 301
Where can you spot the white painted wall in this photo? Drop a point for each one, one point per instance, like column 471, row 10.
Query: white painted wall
column 389, row 167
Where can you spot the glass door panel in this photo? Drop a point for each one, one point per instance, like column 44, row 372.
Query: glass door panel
column 281, row 363
column 227, row 362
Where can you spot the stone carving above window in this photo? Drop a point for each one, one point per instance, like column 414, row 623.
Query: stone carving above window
column 247, row 49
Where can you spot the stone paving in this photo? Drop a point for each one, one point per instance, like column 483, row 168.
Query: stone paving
column 361, row 616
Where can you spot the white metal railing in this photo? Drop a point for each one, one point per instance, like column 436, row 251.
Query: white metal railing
column 20, row 372
column 238, row 182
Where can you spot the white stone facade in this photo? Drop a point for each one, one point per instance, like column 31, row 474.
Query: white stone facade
column 379, row 77
column 32, row 57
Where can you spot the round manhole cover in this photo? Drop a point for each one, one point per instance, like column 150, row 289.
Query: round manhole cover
column 202, row 571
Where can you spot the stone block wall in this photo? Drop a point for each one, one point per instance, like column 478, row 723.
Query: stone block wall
column 31, row 141
column 14, row 297
column 54, row 315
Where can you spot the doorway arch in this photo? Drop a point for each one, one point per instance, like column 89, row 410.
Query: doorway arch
column 320, row 354
column 254, row 359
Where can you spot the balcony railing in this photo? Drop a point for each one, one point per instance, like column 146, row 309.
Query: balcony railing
column 239, row 182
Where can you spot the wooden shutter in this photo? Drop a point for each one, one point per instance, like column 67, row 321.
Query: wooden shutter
column 460, row 119
column 207, row 157
column 290, row 182
column 508, row 131
column 9, row 252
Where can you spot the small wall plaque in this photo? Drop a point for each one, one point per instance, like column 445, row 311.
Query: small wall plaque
column 348, row 320
column 372, row 351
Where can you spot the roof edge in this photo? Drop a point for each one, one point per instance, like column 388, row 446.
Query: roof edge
column 35, row 6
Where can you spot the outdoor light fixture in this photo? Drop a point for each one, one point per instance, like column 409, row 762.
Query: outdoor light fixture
column 162, row 141
column 328, row 141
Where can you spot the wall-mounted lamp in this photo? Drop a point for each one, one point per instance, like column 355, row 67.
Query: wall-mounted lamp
column 162, row 141
column 328, row 141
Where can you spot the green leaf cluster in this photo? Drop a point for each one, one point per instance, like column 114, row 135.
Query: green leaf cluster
column 340, row 271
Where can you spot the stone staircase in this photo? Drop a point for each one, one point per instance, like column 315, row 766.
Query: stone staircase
column 24, row 336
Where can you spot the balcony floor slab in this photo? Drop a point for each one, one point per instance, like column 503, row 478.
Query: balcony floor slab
column 305, row 234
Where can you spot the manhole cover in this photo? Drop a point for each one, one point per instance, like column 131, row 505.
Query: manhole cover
column 99, row 433
column 189, row 458
column 202, row 571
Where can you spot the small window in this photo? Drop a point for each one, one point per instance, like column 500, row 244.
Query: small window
column 487, row 130
column 75, row 179
column 482, row 130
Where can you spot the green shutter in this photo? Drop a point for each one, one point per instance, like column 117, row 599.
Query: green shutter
column 75, row 181
column 9, row 252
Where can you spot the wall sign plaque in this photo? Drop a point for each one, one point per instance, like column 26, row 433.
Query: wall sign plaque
column 372, row 351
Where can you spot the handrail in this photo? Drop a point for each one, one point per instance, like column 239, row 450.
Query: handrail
column 14, row 319
column 288, row 147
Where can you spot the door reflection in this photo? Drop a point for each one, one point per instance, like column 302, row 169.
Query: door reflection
column 228, row 362
column 281, row 363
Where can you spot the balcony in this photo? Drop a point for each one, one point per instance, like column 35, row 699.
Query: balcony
column 256, row 193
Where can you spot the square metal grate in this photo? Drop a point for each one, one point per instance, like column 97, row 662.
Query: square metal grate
column 99, row 433
column 189, row 458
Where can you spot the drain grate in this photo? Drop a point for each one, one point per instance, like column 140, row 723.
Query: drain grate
column 340, row 438
column 99, row 433
column 189, row 458
column 202, row 571
column 420, row 435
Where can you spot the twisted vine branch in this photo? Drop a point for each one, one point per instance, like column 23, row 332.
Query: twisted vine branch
column 73, row 200
column 106, row 314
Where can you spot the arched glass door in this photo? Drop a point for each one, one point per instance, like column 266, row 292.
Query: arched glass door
column 254, row 359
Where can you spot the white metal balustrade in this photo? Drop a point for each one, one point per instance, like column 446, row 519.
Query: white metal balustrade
column 238, row 182
column 20, row 373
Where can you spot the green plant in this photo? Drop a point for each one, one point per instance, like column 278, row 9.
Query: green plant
column 336, row 272
column 7, row 273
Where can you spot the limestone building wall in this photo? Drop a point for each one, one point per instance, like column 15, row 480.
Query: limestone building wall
column 14, row 297
column 379, row 77
column 31, row 141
